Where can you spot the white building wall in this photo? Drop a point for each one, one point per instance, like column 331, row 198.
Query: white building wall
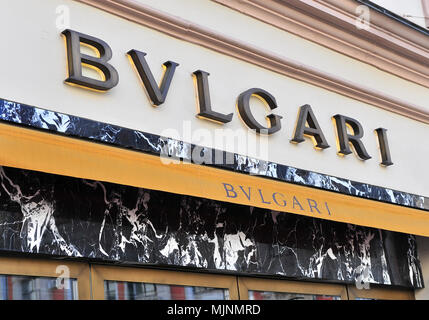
column 409, row 9
column 263, row 35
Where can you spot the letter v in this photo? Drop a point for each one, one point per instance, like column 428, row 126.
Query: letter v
column 247, row 195
column 156, row 93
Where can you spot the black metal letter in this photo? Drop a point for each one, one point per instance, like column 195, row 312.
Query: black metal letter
column 243, row 104
column 204, row 103
column 76, row 59
column 386, row 159
column 344, row 138
column 156, row 93
column 306, row 116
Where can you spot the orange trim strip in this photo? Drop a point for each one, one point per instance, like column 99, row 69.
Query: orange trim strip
column 40, row 151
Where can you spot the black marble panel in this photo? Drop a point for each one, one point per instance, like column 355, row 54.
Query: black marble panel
column 42, row 213
column 77, row 127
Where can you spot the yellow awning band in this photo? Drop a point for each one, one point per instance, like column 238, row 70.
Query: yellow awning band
column 41, row 151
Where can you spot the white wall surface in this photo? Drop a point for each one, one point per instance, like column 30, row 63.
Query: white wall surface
column 262, row 35
column 33, row 69
column 409, row 9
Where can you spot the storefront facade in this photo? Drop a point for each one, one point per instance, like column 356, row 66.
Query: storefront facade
column 212, row 149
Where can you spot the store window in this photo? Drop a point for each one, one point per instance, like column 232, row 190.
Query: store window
column 35, row 279
column 378, row 293
column 37, row 288
column 270, row 295
column 270, row 289
column 125, row 283
column 120, row 290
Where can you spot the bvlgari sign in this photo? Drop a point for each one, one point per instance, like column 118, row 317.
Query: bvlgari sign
column 349, row 131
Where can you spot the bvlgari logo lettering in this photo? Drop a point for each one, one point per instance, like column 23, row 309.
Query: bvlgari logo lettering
column 276, row 199
column 349, row 131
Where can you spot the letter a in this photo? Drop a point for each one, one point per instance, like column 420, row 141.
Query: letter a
column 313, row 130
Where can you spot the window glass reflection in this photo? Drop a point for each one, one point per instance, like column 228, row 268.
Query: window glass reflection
column 120, row 290
column 270, row 295
column 37, row 288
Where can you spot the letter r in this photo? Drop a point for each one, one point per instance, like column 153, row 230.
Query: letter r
column 229, row 190
column 76, row 59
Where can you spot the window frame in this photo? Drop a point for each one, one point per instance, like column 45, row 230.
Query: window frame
column 90, row 280
column 380, row 293
column 277, row 285
column 47, row 268
column 100, row 273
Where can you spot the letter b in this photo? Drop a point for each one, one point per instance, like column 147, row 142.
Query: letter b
column 229, row 190
column 76, row 59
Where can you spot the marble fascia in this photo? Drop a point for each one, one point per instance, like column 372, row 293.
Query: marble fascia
column 46, row 214
column 82, row 128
